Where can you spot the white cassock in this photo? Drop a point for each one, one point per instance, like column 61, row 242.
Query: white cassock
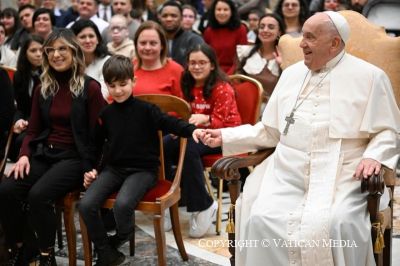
column 303, row 200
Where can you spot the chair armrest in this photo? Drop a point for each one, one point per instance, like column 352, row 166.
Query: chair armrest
column 227, row 168
column 373, row 184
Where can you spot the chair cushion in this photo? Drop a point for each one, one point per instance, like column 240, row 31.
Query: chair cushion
column 210, row 159
column 159, row 190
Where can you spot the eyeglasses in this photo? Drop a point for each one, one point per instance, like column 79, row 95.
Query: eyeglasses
column 201, row 63
column 117, row 28
column 62, row 50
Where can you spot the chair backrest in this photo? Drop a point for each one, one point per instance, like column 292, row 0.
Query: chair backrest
column 10, row 71
column 367, row 41
column 248, row 97
column 180, row 108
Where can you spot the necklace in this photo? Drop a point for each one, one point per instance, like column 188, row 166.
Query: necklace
column 290, row 118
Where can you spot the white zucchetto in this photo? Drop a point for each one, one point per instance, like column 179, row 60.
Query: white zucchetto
column 340, row 23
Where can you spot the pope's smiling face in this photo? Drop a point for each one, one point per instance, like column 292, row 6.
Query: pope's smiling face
column 320, row 43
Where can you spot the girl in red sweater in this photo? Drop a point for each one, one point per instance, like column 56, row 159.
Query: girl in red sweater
column 213, row 106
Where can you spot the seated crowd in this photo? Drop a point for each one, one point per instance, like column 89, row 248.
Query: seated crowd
column 78, row 71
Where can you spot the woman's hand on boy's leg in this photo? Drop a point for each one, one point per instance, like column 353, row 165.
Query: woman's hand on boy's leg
column 89, row 177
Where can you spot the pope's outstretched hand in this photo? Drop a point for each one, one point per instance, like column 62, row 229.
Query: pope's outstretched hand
column 212, row 138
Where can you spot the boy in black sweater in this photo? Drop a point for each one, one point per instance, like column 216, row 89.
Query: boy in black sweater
column 128, row 129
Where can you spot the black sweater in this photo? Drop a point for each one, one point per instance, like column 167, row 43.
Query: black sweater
column 130, row 131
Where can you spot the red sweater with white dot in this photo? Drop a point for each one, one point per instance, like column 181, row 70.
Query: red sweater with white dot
column 221, row 106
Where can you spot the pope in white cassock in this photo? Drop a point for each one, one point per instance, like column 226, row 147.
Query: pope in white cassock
column 333, row 120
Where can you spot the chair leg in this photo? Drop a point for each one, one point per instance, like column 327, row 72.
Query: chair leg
column 176, row 228
column 70, row 230
column 59, row 227
column 158, row 221
column 387, row 251
column 208, row 183
column 219, row 210
column 87, row 245
column 132, row 242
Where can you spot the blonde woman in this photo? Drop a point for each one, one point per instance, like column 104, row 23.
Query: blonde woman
column 55, row 152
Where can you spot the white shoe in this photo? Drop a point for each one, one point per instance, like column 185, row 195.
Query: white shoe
column 167, row 221
column 200, row 222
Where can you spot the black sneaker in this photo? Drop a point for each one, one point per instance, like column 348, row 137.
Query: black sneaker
column 116, row 242
column 16, row 257
column 48, row 260
column 109, row 256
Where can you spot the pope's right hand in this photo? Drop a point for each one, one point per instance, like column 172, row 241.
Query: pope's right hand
column 20, row 168
column 212, row 138
column 20, row 126
column 89, row 177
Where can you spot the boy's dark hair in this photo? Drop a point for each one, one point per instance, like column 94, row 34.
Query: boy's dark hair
column 117, row 67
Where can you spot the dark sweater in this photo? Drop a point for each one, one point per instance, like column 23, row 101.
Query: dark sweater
column 130, row 130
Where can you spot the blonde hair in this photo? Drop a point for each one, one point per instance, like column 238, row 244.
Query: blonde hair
column 50, row 85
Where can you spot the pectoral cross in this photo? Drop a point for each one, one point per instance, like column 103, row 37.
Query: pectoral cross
column 289, row 120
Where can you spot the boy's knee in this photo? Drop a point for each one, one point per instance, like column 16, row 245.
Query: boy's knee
column 122, row 207
column 86, row 205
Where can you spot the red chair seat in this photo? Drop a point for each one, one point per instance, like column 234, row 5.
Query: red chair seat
column 210, row 159
column 159, row 190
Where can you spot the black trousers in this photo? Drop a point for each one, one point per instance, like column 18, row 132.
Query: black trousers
column 131, row 185
column 192, row 183
column 53, row 174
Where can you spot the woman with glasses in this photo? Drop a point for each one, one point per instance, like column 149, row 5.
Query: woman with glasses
column 294, row 14
column 94, row 49
column 189, row 17
column 55, row 152
column 262, row 61
column 154, row 72
column 213, row 104
column 224, row 32
column 26, row 80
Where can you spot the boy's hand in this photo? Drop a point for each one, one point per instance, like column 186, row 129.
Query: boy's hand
column 198, row 134
column 89, row 177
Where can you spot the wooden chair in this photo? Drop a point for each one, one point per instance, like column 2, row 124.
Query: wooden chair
column 3, row 161
column 164, row 195
column 248, row 98
column 365, row 41
column 10, row 71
